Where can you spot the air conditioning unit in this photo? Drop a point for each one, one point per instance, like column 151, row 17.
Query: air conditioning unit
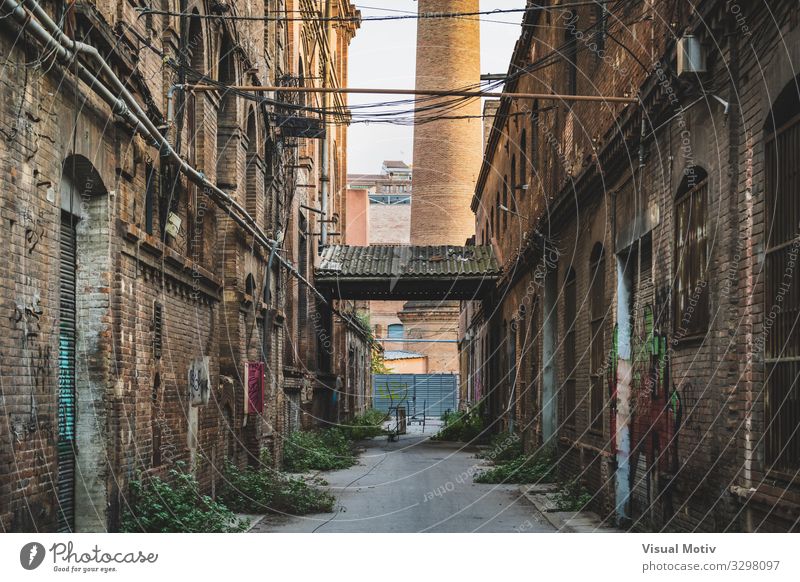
column 691, row 56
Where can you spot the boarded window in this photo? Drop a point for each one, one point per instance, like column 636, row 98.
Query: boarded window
column 691, row 255
column 782, row 297
column 597, row 355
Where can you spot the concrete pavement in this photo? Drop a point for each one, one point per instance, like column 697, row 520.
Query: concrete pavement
column 415, row 485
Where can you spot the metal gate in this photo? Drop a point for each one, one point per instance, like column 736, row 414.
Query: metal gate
column 66, row 376
column 422, row 394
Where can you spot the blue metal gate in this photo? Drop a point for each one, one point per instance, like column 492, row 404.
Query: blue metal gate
column 422, row 394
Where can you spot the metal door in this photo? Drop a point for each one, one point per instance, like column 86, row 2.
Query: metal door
column 422, row 394
column 66, row 376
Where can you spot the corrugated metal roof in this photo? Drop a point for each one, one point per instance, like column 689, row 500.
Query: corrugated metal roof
column 378, row 261
column 400, row 355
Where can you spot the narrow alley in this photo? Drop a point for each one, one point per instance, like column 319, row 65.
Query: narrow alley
column 415, row 485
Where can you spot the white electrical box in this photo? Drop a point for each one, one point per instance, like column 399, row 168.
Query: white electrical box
column 691, row 56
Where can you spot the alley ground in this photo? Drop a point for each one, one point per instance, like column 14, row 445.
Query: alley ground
column 415, row 485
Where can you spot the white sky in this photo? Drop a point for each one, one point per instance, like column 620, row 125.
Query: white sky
column 382, row 54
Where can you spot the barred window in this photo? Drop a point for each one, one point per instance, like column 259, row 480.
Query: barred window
column 781, row 289
column 691, row 255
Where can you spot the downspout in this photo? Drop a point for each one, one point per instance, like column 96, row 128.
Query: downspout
column 325, row 178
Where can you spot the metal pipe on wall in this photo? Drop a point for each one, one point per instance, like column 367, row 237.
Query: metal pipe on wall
column 67, row 50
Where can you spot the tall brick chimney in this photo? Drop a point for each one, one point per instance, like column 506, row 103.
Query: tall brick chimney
column 447, row 159
column 447, row 153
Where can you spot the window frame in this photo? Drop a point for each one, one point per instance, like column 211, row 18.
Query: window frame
column 691, row 258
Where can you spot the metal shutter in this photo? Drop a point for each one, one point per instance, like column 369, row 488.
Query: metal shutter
column 66, row 377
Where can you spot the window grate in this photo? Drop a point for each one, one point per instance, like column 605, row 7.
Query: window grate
column 782, row 298
column 158, row 323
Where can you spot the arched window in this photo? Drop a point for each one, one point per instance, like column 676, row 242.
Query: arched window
column 513, row 180
column 570, row 347
column 597, row 316
column 571, row 60
column 505, row 202
column 781, row 289
column 252, row 167
column 691, row 254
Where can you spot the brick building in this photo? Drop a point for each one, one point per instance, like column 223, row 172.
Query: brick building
column 645, row 329
column 149, row 306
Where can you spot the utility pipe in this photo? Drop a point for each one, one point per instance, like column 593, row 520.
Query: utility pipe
column 53, row 37
column 324, row 145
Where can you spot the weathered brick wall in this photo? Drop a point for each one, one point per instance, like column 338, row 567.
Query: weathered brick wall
column 718, row 377
column 134, row 408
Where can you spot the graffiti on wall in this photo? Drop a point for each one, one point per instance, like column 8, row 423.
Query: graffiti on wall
column 199, row 381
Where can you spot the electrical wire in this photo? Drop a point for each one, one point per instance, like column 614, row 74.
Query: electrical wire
column 360, row 19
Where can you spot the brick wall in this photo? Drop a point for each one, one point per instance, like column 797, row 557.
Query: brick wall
column 696, row 436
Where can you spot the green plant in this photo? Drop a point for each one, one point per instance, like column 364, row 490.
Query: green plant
column 176, row 506
column 572, row 497
column 321, row 450
column 503, row 447
column 260, row 490
column 464, row 426
column 377, row 363
column 521, row 469
column 367, row 425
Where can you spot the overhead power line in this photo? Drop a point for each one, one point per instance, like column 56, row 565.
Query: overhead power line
column 356, row 19
column 429, row 93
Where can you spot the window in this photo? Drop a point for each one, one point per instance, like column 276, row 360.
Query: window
column 396, row 331
column 571, row 60
column 151, row 185
column 570, row 360
column 781, row 289
column 691, row 259
column 513, row 180
column 600, row 30
column 597, row 353
column 158, row 323
column 505, row 202
column 495, row 217
column 523, row 163
column 535, row 167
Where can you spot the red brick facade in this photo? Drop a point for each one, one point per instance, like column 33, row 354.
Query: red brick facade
column 158, row 315
column 669, row 429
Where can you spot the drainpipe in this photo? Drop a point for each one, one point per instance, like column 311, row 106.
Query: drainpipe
column 325, row 178
column 125, row 105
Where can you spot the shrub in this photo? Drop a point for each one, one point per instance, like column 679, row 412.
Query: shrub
column 176, row 506
column 572, row 497
column 521, row 469
column 260, row 490
column 367, row 425
column 464, row 426
column 321, row 450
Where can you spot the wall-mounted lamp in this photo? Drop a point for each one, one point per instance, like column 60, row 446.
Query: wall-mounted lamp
column 514, row 212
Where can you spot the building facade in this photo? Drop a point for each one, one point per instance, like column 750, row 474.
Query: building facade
column 645, row 330
column 155, row 229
